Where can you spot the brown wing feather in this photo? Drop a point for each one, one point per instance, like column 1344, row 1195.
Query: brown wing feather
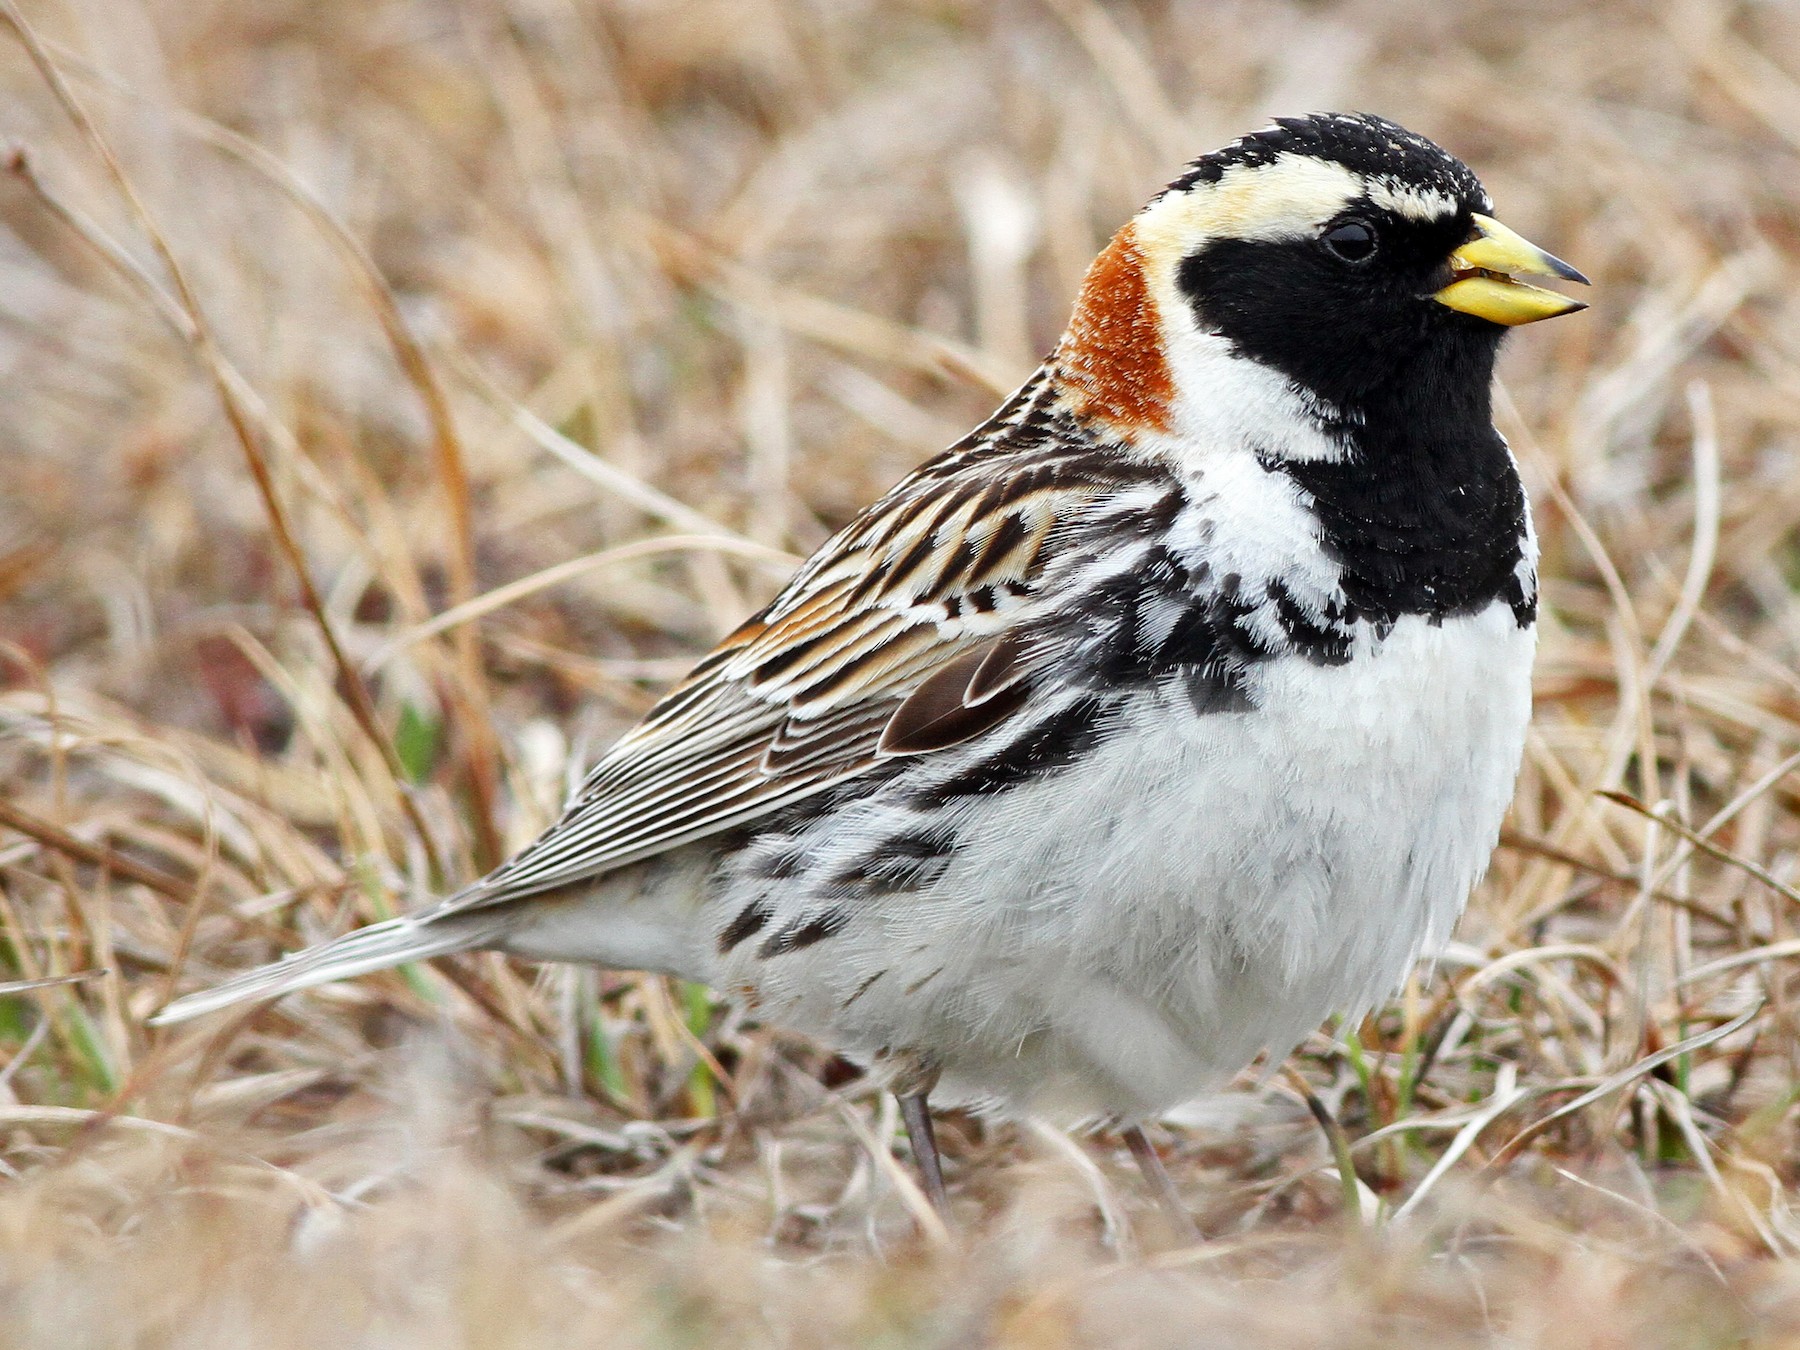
column 944, row 710
column 1002, row 667
column 900, row 637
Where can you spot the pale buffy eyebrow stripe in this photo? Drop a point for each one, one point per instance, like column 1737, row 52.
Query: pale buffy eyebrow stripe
column 1289, row 197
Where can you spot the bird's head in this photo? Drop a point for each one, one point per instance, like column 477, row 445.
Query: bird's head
column 1326, row 263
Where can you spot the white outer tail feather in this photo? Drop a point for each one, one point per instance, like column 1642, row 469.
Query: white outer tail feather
column 376, row 947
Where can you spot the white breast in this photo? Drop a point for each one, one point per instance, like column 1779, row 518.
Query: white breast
column 1115, row 938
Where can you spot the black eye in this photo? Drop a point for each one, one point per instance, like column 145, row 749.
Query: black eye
column 1353, row 241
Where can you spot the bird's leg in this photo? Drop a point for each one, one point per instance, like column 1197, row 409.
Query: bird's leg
column 1162, row 1185
column 916, row 1112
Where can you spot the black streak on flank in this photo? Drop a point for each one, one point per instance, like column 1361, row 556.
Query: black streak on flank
column 861, row 989
column 804, row 933
column 907, row 862
column 750, row 920
column 781, row 862
column 1048, row 747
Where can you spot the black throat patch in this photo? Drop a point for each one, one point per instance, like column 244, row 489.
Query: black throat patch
column 1425, row 512
column 1432, row 527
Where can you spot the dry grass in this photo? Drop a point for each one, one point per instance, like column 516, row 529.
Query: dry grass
column 419, row 302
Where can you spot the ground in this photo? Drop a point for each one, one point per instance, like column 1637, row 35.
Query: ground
column 538, row 336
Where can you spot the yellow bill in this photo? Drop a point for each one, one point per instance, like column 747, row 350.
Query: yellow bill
column 1483, row 272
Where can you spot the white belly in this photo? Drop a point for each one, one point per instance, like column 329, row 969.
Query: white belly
column 1118, row 937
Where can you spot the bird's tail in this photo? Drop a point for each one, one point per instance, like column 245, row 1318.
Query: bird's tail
column 373, row 948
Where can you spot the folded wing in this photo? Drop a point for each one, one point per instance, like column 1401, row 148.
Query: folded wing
column 910, row 631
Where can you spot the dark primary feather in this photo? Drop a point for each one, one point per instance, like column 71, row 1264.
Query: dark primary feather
column 949, row 708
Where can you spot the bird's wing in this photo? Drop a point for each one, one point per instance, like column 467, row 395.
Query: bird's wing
column 908, row 632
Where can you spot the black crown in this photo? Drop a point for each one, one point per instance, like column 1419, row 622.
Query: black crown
column 1363, row 143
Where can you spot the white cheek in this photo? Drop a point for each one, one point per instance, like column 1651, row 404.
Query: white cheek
column 1227, row 401
column 1224, row 400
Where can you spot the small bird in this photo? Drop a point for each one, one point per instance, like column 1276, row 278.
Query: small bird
column 1172, row 710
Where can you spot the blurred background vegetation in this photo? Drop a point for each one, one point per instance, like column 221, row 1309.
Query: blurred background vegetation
column 395, row 395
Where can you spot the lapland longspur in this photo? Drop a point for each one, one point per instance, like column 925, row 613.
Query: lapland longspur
column 1172, row 710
